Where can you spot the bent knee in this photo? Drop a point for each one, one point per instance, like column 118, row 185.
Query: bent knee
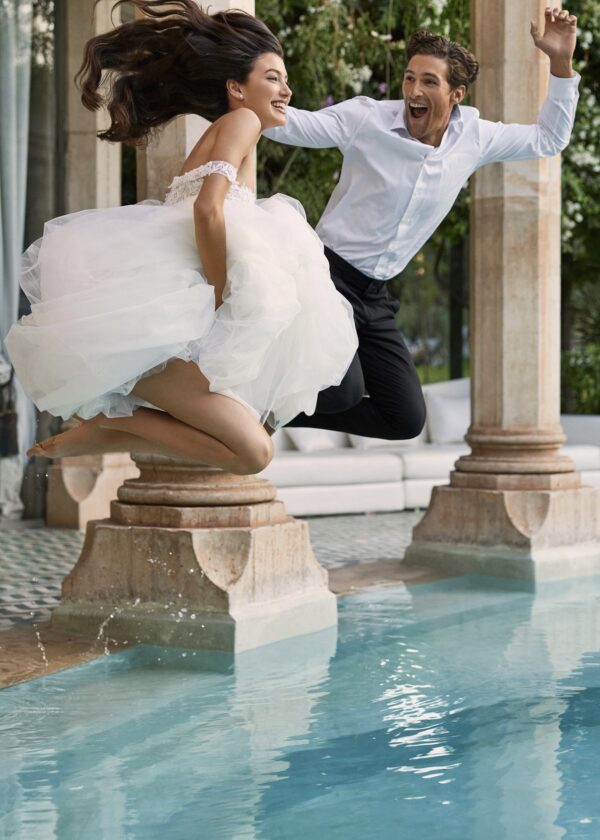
column 408, row 424
column 255, row 458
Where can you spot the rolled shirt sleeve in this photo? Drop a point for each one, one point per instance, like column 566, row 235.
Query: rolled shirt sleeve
column 545, row 138
column 332, row 127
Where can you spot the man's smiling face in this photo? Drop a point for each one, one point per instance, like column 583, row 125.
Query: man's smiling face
column 428, row 98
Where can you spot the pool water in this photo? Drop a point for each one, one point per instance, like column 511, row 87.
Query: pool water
column 449, row 710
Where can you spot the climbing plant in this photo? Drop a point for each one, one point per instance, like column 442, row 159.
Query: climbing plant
column 336, row 49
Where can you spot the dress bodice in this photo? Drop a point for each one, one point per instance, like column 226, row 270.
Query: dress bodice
column 189, row 184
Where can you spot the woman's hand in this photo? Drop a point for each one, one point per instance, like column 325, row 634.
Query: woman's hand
column 558, row 40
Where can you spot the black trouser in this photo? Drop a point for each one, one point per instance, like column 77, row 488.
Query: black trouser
column 382, row 368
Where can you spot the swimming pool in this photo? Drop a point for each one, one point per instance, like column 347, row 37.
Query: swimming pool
column 451, row 709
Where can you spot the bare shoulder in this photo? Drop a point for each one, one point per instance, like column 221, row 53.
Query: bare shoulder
column 231, row 137
column 241, row 120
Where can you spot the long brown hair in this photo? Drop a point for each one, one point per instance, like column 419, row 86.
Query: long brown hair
column 174, row 61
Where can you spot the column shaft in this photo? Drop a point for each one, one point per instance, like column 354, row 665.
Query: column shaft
column 515, row 506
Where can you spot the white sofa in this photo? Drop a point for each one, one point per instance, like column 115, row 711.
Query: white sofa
column 320, row 472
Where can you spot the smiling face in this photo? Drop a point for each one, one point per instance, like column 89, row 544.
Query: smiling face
column 428, row 98
column 265, row 91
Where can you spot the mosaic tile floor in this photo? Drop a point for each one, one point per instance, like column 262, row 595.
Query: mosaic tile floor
column 34, row 560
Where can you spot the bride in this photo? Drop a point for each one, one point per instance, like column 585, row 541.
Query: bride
column 180, row 328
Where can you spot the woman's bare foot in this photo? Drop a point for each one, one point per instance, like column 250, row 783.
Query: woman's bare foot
column 87, row 438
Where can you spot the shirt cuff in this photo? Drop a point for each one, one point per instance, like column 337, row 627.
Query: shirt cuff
column 563, row 88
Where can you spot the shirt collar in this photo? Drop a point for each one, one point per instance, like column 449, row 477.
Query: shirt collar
column 399, row 123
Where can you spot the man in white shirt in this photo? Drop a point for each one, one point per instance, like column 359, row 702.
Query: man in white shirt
column 404, row 164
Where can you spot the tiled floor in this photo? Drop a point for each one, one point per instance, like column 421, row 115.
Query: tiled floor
column 33, row 561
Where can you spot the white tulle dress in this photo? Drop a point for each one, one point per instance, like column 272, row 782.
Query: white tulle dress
column 115, row 293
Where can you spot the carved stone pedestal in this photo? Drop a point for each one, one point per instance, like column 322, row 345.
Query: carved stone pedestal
column 195, row 557
column 81, row 488
column 529, row 535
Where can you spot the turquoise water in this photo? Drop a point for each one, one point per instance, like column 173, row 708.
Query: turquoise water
column 447, row 710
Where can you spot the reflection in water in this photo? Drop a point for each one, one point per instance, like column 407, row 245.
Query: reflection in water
column 447, row 705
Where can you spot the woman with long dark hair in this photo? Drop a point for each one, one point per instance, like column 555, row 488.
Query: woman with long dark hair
column 213, row 307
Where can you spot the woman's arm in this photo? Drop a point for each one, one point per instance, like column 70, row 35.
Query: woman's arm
column 237, row 136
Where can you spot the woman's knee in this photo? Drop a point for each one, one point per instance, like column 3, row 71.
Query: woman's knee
column 255, row 456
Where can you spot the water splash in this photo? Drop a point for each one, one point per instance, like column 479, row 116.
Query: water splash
column 41, row 646
column 103, row 626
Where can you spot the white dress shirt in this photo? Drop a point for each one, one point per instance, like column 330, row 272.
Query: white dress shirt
column 393, row 190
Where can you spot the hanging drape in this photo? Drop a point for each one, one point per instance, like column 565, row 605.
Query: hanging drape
column 15, row 69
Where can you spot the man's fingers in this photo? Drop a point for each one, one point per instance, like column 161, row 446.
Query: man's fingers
column 535, row 32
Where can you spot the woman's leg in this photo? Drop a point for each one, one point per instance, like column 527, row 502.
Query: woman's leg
column 88, row 438
column 193, row 423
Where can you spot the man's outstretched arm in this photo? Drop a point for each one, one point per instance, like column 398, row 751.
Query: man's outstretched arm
column 325, row 129
column 552, row 132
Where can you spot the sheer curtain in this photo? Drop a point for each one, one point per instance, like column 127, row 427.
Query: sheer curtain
column 15, row 64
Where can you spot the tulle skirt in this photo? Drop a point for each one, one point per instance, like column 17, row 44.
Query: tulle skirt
column 116, row 293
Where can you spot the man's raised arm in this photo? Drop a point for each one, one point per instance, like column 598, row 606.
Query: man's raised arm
column 552, row 132
column 331, row 127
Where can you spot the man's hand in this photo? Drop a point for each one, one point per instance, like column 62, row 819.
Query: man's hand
column 558, row 40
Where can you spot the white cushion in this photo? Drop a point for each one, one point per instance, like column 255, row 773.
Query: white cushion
column 316, row 440
column 591, row 477
column 449, row 388
column 581, row 428
column 585, row 457
column 432, row 461
column 360, row 442
column 351, row 498
column 417, row 491
column 338, row 466
column 281, row 441
column 448, row 417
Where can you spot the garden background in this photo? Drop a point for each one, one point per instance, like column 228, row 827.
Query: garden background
column 335, row 49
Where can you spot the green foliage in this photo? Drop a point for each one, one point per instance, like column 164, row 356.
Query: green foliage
column 581, row 225
column 581, row 379
column 581, row 159
column 336, row 49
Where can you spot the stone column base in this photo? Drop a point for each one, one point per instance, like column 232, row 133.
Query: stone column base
column 533, row 535
column 215, row 588
column 81, row 488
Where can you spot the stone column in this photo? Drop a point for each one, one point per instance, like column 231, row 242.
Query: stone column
column 199, row 558
column 515, row 506
column 81, row 488
column 92, row 168
column 193, row 556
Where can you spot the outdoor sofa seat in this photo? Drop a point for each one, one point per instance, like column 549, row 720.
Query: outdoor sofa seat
column 319, row 472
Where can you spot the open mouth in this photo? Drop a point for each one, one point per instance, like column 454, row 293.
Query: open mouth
column 279, row 105
column 418, row 110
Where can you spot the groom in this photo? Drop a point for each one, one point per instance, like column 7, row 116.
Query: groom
column 404, row 164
